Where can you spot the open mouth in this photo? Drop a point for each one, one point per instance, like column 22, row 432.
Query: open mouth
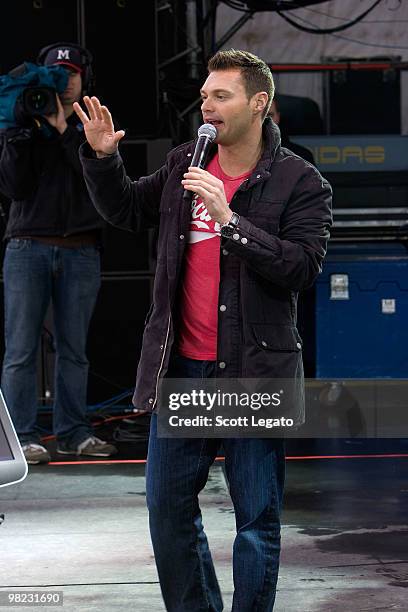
column 215, row 122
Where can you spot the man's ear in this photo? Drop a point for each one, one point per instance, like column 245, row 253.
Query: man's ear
column 260, row 101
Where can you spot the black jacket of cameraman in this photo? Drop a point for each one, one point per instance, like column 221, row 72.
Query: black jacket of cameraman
column 41, row 174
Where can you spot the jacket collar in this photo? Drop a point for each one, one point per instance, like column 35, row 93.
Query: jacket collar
column 271, row 140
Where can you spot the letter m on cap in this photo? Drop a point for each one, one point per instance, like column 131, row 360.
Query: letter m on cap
column 63, row 54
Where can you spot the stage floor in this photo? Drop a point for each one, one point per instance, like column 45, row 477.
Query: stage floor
column 83, row 529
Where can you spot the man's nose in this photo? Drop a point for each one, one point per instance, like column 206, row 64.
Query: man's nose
column 206, row 105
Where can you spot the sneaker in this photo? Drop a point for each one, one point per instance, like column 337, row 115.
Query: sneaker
column 92, row 447
column 35, row 453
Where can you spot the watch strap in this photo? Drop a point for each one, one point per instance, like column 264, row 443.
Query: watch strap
column 233, row 222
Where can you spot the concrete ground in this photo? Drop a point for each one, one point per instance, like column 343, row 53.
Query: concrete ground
column 83, row 530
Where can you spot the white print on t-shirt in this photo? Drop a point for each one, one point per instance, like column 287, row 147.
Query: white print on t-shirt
column 202, row 226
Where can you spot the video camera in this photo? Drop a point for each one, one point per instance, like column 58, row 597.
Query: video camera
column 30, row 91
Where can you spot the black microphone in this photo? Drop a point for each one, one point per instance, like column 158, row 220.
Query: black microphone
column 207, row 133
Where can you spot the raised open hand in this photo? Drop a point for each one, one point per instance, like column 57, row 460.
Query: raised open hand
column 98, row 127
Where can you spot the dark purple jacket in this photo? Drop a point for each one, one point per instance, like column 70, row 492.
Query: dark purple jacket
column 285, row 210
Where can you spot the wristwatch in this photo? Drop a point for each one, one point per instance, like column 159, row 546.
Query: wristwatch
column 227, row 229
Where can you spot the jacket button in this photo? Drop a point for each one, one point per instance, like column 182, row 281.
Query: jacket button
column 264, row 343
column 188, row 154
column 222, row 365
column 151, row 400
column 299, row 346
column 224, row 252
column 244, row 240
column 161, row 347
column 223, row 308
column 235, row 236
column 181, row 236
column 258, row 176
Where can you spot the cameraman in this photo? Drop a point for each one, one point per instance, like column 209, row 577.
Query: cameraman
column 53, row 254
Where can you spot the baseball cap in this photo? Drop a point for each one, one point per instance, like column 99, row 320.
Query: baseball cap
column 65, row 55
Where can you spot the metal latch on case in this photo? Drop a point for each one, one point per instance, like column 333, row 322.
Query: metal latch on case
column 339, row 287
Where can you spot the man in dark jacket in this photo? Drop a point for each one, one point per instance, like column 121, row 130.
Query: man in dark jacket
column 53, row 236
column 229, row 266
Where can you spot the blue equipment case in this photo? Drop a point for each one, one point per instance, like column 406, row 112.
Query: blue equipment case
column 362, row 312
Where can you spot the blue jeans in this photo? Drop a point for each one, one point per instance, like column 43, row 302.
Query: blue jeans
column 35, row 273
column 177, row 470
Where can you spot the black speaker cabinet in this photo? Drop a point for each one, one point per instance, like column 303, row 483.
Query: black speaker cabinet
column 123, row 250
column 363, row 101
column 115, row 335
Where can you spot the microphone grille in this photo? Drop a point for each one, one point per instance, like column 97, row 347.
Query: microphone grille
column 208, row 130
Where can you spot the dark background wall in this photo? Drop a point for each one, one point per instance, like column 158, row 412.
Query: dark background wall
column 121, row 35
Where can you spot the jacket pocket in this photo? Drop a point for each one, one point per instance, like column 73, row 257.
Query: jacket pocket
column 277, row 337
column 272, row 351
column 266, row 215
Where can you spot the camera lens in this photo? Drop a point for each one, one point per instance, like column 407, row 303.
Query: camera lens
column 37, row 100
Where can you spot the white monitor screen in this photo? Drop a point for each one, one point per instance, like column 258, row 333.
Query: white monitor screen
column 5, row 450
column 13, row 466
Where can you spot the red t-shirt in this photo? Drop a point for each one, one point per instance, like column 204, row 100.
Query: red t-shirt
column 200, row 283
